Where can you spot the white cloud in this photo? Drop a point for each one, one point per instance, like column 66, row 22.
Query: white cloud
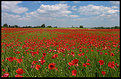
column 74, row 16
column 57, row 10
column 62, row 1
column 12, row 6
column 115, row 2
column 76, row 1
column 96, row 10
column 73, row 8
column 114, row 7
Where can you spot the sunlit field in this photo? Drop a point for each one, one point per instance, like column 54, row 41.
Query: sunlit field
column 36, row 52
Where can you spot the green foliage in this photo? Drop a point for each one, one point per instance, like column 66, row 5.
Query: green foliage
column 43, row 26
column 49, row 26
column 80, row 26
column 115, row 27
column 5, row 25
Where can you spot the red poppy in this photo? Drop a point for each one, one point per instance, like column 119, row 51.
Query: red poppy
column 84, row 65
column 37, row 67
column 72, row 53
column 54, row 56
column 34, row 62
column 44, row 54
column 88, row 60
column 3, row 60
column 101, row 53
column 17, row 52
column 70, row 64
column 10, row 59
column 75, row 61
column 117, row 65
column 19, row 60
column 111, row 64
column 83, row 54
column 74, row 73
column 80, row 55
column 112, row 54
column 101, row 62
column 51, row 66
column 5, row 75
column 18, row 75
column 3, row 70
column 19, row 71
column 106, row 53
column 42, row 61
column 87, row 63
column 103, row 72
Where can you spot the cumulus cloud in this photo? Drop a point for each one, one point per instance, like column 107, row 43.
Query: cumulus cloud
column 57, row 10
column 96, row 10
column 12, row 6
column 73, row 8
column 74, row 16
column 115, row 2
column 76, row 1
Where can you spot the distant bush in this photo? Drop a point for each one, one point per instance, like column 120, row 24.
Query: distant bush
column 49, row 26
column 115, row 27
column 80, row 26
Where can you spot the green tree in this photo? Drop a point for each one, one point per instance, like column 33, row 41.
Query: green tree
column 49, row 26
column 5, row 25
column 16, row 26
column 43, row 26
column 80, row 26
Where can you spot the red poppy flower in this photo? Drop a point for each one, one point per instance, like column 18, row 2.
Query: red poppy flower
column 17, row 52
column 51, row 66
column 5, row 75
column 37, row 67
column 106, row 53
column 75, row 61
column 10, row 59
column 83, row 54
column 72, row 53
column 70, row 64
column 19, row 60
column 44, row 54
column 42, row 61
column 18, row 76
column 88, row 60
column 19, row 71
column 117, row 65
column 84, row 65
column 87, row 63
column 54, row 56
column 34, row 62
column 3, row 70
column 103, row 72
column 101, row 53
column 112, row 54
column 111, row 64
column 101, row 62
column 80, row 55
column 74, row 73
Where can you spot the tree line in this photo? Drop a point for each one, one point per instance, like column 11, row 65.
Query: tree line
column 115, row 27
column 43, row 26
column 16, row 26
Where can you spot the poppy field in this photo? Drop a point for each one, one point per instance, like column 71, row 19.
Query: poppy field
column 42, row 52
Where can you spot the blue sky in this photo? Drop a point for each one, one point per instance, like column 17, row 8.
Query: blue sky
column 61, row 13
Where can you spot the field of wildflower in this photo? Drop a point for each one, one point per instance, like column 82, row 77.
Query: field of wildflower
column 37, row 52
